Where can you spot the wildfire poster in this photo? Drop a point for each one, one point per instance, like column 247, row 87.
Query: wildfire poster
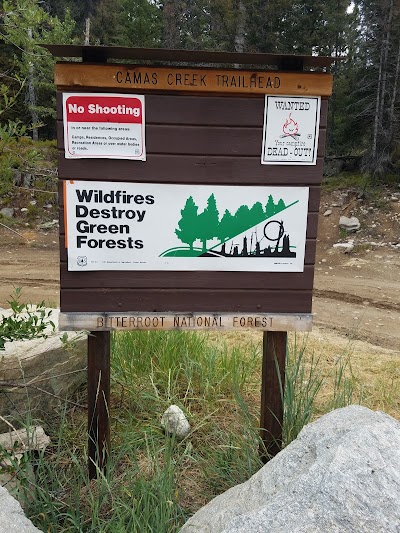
column 138, row 226
column 291, row 128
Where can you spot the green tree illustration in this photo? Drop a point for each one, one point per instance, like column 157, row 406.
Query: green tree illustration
column 206, row 225
column 270, row 207
column 242, row 219
column 208, row 222
column 280, row 206
column 257, row 214
column 188, row 224
column 225, row 228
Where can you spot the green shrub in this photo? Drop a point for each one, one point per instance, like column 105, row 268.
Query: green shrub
column 25, row 322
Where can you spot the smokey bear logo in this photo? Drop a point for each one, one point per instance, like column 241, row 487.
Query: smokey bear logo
column 82, row 260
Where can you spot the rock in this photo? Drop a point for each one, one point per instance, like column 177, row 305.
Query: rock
column 12, row 518
column 33, row 202
column 349, row 224
column 341, row 475
column 7, row 212
column 56, row 367
column 21, row 440
column 174, row 421
column 346, row 246
column 17, row 443
column 48, row 225
column 24, row 209
column 328, row 212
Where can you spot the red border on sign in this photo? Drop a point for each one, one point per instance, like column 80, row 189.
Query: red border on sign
column 104, row 99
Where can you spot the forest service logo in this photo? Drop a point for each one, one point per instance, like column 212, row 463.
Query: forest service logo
column 81, row 260
column 251, row 231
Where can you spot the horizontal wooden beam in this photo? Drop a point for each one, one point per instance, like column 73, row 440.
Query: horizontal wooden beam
column 184, row 321
column 103, row 53
column 186, row 280
column 74, row 76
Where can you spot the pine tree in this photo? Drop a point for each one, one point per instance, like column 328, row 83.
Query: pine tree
column 376, row 98
column 136, row 23
column 25, row 25
column 172, row 18
column 104, row 23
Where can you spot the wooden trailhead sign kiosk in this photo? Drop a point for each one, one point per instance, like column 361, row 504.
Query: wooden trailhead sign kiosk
column 189, row 199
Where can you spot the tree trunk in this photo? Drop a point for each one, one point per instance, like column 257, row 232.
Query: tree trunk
column 240, row 28
column 171, row 28
column 381, row 87
column 31, row 96
column 87, row 31
column 392, row 114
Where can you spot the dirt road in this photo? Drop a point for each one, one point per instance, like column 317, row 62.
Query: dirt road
column 360, row 298
column 32, row 263
column 356, row 294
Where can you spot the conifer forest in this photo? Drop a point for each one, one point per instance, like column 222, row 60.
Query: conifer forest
column 364, row 111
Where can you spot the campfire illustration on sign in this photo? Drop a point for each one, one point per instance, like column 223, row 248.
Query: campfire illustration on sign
column 290, row 128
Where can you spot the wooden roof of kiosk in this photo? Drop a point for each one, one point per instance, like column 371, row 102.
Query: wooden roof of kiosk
column 104, row 53
column 297, row 74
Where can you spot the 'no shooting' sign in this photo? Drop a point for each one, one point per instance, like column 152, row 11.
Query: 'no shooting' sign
column 104, row 126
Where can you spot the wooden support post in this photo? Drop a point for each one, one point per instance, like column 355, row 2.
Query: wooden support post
column 272, row 392
column 98, row 401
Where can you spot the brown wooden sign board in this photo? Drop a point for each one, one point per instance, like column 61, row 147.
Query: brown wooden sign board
column 201, row 139
column 204, row 127
column 198, row 80
column 184, row 321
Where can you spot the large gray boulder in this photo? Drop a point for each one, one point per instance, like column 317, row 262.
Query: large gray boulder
column 37, row 375
column 12, row 518
column 341, row 475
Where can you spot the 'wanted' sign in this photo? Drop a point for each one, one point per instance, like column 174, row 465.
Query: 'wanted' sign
column 291, row 126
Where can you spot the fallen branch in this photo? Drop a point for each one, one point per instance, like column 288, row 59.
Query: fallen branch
column 34, row 190
column 349, row 204
column 13, row 230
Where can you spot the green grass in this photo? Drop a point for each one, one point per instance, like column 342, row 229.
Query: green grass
column 153, row 482
column 373, row 191
column 303, row 382
column 345, row 180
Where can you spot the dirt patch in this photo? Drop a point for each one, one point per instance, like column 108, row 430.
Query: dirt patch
column 31, row 261
column 358, row 293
